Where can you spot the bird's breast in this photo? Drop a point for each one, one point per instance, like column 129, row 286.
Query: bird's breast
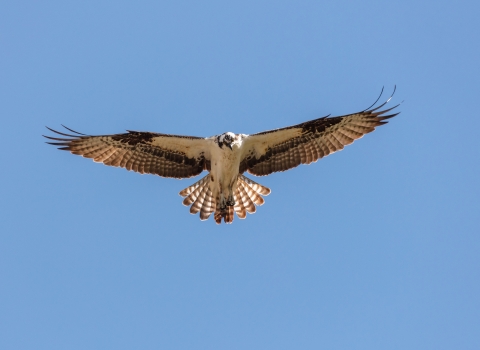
column 225, row 163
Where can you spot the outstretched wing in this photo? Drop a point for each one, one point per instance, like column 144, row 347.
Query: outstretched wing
column 143, row 152
column 286, row 148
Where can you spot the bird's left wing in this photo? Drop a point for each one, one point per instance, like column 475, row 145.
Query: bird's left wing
column 144, row 152
column 286, row 148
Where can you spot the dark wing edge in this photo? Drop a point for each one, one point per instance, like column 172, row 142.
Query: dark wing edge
column 142, row 152
column 312, row 140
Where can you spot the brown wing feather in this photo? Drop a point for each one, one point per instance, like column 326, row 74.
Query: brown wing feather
column 286, row 148
column 143, row 152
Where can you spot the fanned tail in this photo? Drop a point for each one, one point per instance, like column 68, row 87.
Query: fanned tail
column 247, row 195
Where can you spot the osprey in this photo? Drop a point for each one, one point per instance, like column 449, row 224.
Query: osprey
column 226, row 157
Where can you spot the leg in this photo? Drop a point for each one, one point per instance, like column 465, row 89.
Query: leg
column 223, row 202
column 230, row 199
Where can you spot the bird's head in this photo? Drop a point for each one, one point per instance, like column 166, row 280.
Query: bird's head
column 227, row 139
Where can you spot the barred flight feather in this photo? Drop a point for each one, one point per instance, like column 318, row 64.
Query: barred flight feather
column 239, row 206
column 197, row 205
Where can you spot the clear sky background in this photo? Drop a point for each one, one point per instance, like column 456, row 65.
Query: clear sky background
column 374, row 247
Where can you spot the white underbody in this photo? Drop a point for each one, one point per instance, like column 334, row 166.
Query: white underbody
column 225, row 164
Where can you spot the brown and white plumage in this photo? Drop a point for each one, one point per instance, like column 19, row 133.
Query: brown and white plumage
column 143, row 152
column 226, row 157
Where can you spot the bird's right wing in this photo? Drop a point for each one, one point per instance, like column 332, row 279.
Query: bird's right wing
column 144, row 152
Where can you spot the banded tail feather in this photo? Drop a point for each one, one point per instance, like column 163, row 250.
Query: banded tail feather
column 247, row 194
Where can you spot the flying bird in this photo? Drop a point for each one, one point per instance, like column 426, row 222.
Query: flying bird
column 226, row 157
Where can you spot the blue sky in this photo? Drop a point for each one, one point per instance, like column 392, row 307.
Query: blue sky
column 374, row 247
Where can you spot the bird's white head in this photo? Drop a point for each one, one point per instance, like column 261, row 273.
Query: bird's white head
column 227, row 139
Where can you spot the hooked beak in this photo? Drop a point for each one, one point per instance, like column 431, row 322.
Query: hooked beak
column 230, row 146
